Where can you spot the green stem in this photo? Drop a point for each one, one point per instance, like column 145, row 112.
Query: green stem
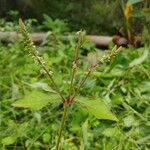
column 75, row 62
column 50, row 77
column 81, row 84
column 61, row 127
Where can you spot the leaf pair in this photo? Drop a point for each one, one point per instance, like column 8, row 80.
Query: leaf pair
column 37, row 100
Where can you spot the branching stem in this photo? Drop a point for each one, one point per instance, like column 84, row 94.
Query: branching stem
column 105, row 58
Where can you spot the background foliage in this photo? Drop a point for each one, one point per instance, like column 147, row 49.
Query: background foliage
column 96, row 16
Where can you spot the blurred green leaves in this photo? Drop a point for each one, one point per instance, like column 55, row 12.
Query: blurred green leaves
column 56, row 26
column 9, row 140
column 141, row 59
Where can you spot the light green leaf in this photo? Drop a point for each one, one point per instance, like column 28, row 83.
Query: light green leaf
column 96, row 107
column 85, row 134
column 112, row 74
column 140, row 60
column 134, row 1
column 22, row 129
column 111, row 132
column 117, row 98
column 40, row 85
column 9, row 140
column 36, row 100
column 129, row 121
column 46, row 137
column 144, row 86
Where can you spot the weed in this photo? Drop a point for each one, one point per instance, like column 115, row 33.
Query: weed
column 96, row 107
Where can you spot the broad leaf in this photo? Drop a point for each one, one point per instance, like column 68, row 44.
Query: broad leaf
column 96, row 107
column 140, row 60
column 36, row 100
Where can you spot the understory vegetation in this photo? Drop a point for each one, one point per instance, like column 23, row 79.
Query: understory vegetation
column 31, row 113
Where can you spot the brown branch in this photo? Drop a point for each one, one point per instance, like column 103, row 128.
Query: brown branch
column 99, row 41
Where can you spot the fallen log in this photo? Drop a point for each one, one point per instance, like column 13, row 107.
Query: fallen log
column 99, row 41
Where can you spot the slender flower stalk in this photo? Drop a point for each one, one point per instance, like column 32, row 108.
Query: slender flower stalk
column 30, row 47
column 75, row 61
column 106, row 57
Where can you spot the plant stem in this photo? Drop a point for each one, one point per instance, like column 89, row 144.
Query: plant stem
column 105, row 58
column 75, row 61
column 34, row 53
column 61, row 127
column 50, row 76
column 81, row 83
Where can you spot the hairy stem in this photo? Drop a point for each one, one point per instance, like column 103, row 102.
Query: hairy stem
column 61, row 127
column 81, row 84
column 34, row 53
column 50, row 77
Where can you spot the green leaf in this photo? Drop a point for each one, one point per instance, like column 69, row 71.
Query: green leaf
column 144, row 86
column 134, row 1
column 40, row 85
column 96, row 107
column 46, row 137
column 112, row 74
column 111, row 132
column 129, row 121
column 36, row 100
column 117, row 98
column 9, row 140
column 140, row 60
column 22, row 129
column 85, row 134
